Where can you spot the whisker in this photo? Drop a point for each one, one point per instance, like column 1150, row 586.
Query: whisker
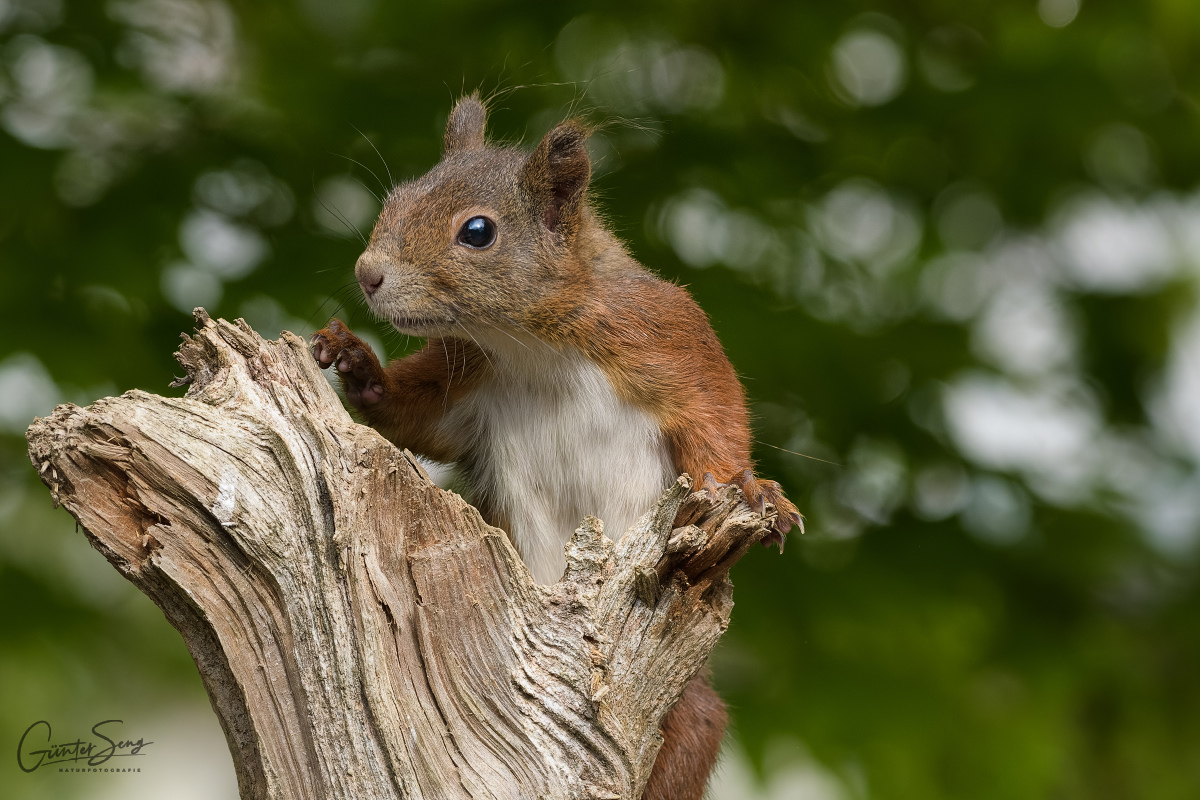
column 449, row 375
column 537, row 339
column 464, row 355
column 330, row 299
column 477, row 344
column 360, row 304
column 793, row 452
column 391, row 180
column 339, row 216
column 367, row 189
column 394, row 338
column 368, row 169
column 506, row 333
column 346, row 287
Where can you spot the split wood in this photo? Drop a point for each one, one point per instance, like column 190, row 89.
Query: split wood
column 361, row 632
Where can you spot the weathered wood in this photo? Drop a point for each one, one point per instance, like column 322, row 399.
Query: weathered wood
column 363, row 633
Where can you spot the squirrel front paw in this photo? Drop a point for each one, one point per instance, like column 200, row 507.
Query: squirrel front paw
column 356, row 363
column 758, row 494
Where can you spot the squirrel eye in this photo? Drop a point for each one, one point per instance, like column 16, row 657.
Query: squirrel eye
column 477, row 232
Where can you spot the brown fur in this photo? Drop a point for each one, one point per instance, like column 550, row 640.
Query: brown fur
column 692, row 735
column 555, row 276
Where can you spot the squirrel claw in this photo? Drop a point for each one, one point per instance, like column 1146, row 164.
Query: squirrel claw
column 354, row 361
column 758, row 494
column 753, row 492
column 787, row 515
column 357, row 370
column 320, row 350
column 323, row 341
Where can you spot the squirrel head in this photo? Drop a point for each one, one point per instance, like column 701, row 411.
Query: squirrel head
column 490, row 238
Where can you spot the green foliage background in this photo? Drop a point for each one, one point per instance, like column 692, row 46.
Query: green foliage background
column 951, row 247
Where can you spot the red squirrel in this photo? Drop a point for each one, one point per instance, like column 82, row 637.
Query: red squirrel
column 560, row 376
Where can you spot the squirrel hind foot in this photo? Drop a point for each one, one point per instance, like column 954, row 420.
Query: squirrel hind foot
column 759, row 494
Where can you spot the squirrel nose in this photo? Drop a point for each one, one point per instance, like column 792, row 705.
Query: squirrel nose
column 370, row 278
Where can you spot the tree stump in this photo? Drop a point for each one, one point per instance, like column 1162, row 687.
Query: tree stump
column 363, row 633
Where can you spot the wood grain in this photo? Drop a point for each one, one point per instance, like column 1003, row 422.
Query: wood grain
column 363, row 633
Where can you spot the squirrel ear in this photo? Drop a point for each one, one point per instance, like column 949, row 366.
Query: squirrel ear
column 464, row 129
column 557, row 173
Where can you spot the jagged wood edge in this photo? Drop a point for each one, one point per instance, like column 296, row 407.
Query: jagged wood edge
column 689, row 572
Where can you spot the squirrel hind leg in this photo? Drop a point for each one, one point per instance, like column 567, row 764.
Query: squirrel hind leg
column 692, row 733
column 758, row 494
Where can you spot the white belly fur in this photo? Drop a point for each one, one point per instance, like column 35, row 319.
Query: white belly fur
column 552, row 443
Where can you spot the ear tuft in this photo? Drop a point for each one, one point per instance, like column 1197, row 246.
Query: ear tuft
column 557, row 174
column 465, row 128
